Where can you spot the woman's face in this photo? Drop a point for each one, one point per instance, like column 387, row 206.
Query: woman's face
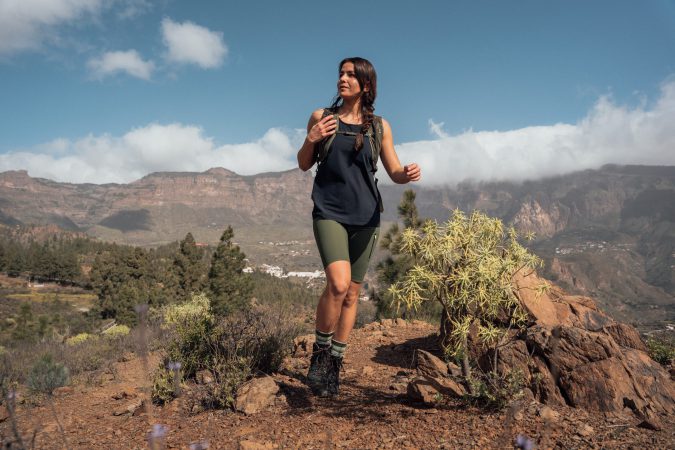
column 348, row 85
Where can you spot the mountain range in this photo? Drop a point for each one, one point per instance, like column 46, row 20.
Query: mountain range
column 607, row 233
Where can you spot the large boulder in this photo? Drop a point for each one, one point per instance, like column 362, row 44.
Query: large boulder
column 575, row 354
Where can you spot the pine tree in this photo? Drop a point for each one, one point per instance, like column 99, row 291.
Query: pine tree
column 189, row 269
column 230, row 287
column 394, row 267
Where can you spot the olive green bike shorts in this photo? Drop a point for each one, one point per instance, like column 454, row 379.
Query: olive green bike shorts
column 338, row 242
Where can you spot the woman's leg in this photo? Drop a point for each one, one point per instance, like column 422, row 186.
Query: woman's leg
column 348, row 313
column 330, row 305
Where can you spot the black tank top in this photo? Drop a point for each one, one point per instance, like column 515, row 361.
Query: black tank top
column 344, row 186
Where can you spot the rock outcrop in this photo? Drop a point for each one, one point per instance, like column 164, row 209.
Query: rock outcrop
column 574, row 354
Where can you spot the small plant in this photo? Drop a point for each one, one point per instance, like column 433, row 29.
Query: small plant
column 116, row 331
column 47, row 375
column 494, row 390
column 661, row 349
column 79, row 338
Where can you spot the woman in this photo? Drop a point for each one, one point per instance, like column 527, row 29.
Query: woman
column 346, row 215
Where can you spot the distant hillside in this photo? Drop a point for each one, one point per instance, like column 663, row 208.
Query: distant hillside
column 608, row 233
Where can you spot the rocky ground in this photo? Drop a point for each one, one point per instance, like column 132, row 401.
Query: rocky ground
column 373, row 411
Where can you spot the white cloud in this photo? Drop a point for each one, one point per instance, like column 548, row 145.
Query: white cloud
column 26, row 24
column 188, row 43
column 609, row 133
column 114, row 62
column 153, row 148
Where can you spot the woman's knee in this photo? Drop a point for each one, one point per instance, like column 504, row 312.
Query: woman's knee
column 350, row 299
column 338, row 288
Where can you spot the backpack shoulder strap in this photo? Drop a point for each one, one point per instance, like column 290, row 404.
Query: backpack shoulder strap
column 376, row 139
column 322, row 148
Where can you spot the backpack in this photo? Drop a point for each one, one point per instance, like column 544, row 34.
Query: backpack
column 374, row 134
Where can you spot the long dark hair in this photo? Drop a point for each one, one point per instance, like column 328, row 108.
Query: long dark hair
column 366, row 76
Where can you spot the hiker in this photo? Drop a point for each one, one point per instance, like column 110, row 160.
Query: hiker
column 346, row 140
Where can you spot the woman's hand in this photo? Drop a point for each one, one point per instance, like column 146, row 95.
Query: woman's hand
column 412, row 172
column 322, row 129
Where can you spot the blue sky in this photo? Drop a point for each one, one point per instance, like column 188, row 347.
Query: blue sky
column 98, row 91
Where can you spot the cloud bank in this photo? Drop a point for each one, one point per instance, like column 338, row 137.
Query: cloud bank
column 609, row 133
column 129, row 62
column 188, row 43
column 25, row 24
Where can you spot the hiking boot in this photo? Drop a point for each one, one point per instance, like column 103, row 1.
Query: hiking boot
column 318, row 368
column 333, row 376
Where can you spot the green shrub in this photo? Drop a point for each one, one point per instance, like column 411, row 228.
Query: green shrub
column 661, row 349
column 117, row 331
column 229, row 373
column 233, row 349
column 47, row 375
column 163, row 385
column 494, row 390
column 79, row 338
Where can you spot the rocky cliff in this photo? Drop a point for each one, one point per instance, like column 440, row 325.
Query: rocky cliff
column 607, row 233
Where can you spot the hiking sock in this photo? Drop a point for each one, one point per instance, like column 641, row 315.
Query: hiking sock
column 338, row 348
column 323, row 339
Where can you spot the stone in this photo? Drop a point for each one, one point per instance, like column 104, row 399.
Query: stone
column 256, row 395
column 422, row 390
column 400, row 322
column 130, row 408
column 548, row 414
column 387, row 322
column 429, row 365
column 585, row 430
column 538, row 305
column 302, row 345
column 454, row 370
column 626, row 336
column 123, row 394
column 204, row 377
column 448, row 387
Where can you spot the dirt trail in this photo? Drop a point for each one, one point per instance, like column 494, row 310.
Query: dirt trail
column 371, row 412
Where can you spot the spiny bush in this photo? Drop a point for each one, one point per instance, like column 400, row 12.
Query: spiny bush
column 467, row 265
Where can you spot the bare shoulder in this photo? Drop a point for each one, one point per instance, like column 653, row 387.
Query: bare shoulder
column 314, row 118
column 385, row 126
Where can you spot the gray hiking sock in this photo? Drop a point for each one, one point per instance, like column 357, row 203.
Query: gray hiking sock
column 338, row 348
column 323, row 339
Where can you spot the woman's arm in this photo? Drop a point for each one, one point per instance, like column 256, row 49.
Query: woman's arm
column 398, row 174
column 317, row 129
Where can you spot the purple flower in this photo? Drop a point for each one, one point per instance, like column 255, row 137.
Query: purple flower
column 158, row 431
column 174, row 365
column 142, row 308
column 523, row 442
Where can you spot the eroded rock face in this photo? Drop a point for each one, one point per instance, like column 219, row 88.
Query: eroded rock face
column 573, row 353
